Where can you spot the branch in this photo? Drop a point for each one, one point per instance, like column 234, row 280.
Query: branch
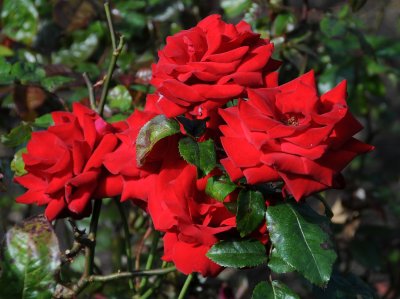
column 69, row 293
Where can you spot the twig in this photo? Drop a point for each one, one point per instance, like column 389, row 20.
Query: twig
column 90, row 91
column 67, row 293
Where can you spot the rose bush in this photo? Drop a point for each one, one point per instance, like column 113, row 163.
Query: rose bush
column 190, row 219
column 206, row 66
column 289, row 133
column 64, row 163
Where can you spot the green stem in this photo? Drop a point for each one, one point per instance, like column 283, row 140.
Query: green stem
column 110, row 25
column 127, row 239
column 116, row 51
column 90, row 248
column 185, row 287
column 150, row 258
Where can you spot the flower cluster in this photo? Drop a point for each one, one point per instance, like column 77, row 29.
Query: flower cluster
column 272, row 133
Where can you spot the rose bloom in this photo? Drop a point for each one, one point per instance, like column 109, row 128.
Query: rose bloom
column 64, row 163
column 190, row 219
column 126, row 177
column 206, row 66
column 289, row 133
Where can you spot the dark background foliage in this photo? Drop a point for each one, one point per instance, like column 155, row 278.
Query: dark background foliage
column 45, row 46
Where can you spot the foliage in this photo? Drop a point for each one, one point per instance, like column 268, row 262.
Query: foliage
column 45, row 46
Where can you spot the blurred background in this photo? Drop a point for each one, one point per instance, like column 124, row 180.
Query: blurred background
column 45, row 46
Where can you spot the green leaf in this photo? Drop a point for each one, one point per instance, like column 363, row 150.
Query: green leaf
column 332, row 27
column 19, row 20
column 238, row 254
column 296, row 233
column 277, row 264
column 234, row 8
column 31, row 258
column 276, row 290
column 17, row 136
column 193, row 127
column 153, row 131
column 5, row 72
column 200, row 154
column 44, row 121
column 119, row 98
column 345, row 286
column 250, row 212
column 27, row 72
column 84, row 45
column 4, row 51
column 17, row 163
column 283, row 23
column 219, row 188
column 55, row 82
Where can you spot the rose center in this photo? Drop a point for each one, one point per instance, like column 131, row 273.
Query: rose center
column 292, row 119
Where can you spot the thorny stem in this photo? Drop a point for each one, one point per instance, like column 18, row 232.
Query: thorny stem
column 185, row 287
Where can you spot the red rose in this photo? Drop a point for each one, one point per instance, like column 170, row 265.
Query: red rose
column 179, row 206
column 127, row 179
column 289, row 133
column 206, row 66
column 64, row 163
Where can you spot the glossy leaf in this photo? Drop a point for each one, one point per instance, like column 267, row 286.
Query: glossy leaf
column 277, row 264
column 19, row 20
column 17, row 136
column 17, row 164
column 200, row 154
column 250, row 211
column 219, row 188
column 31, row 258
column 153, row 131
column 275, row 290
column 296, row 233
column 119, row 98
column 238, row 254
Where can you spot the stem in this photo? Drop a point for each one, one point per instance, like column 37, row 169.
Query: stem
column 185, row 287
column 127, row 239
column 90, row 248
column 90, row 90
column 150, row 258
column 65, row 292
column 116, row 51
column 110, row 25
